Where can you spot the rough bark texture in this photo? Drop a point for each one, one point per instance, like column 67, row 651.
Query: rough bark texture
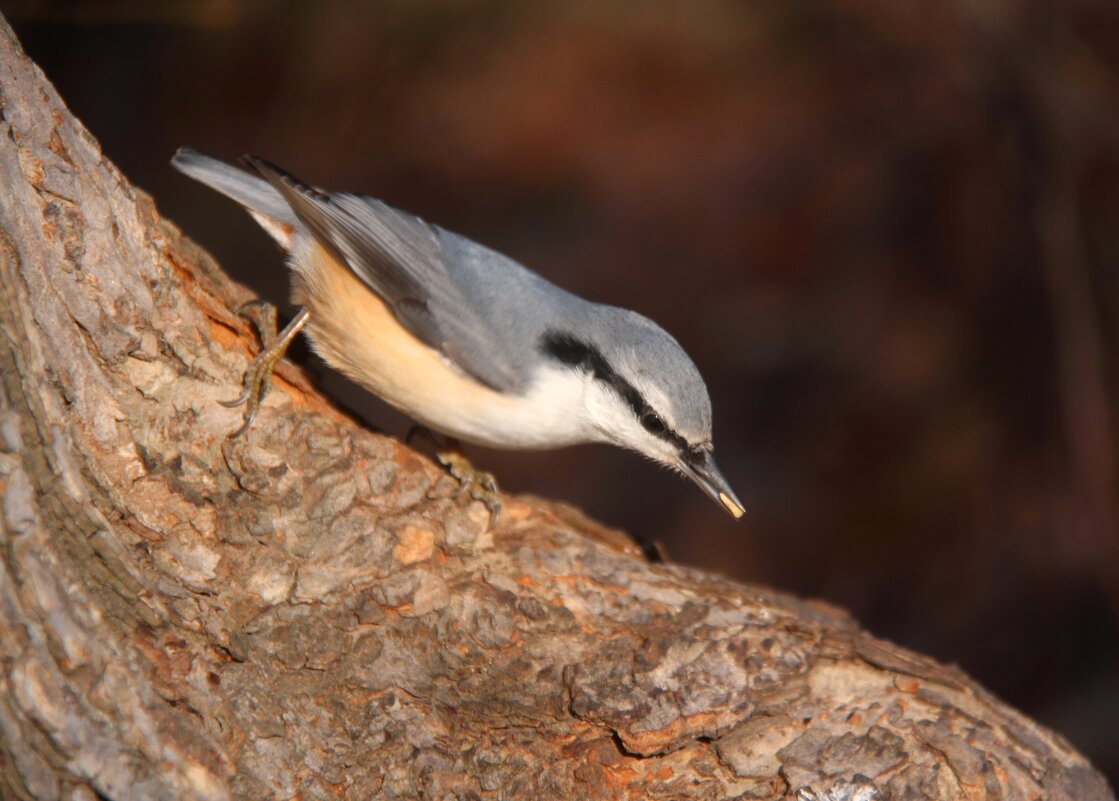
column 312, row 611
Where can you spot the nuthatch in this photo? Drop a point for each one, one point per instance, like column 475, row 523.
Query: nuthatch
column 464, row 340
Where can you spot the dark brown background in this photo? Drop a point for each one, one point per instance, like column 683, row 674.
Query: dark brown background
column 886, row 231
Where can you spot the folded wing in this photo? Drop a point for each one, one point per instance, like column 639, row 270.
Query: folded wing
column 402, row 259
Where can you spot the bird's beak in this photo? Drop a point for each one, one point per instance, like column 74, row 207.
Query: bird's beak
column 711, row 481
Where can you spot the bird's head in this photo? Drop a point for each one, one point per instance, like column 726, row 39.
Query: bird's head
column 644, row 394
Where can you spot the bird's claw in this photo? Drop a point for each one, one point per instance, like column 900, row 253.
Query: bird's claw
column 238, row 401
column 480, row 484
column 258, row 378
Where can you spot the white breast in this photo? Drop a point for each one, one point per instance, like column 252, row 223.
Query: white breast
column 355, row 333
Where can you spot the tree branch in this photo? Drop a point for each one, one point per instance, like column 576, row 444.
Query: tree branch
column 312, row 610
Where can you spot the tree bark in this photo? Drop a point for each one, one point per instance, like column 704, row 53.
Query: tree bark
column 312, row 610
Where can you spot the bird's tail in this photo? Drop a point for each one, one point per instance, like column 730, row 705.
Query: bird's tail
column 255, row 194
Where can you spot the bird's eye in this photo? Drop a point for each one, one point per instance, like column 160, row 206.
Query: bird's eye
column 653, row 423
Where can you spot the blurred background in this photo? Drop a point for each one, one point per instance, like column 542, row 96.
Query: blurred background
column 887, row 231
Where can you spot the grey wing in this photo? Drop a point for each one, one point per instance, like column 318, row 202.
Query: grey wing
column 402, row 259
column 250, row 191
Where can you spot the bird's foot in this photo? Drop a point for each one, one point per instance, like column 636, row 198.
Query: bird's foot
column 481, row 485
column 259, row 375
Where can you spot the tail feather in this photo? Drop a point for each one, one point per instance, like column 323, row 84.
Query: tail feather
column 252, row 192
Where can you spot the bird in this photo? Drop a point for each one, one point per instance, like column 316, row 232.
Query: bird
column 464, row 340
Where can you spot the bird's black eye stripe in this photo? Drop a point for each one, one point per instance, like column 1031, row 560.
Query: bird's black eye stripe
column 574, row 352
column 677, row 440
column 652, row 422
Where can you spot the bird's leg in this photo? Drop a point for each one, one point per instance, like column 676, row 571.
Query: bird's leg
column 259, row 375
column 481, row 485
